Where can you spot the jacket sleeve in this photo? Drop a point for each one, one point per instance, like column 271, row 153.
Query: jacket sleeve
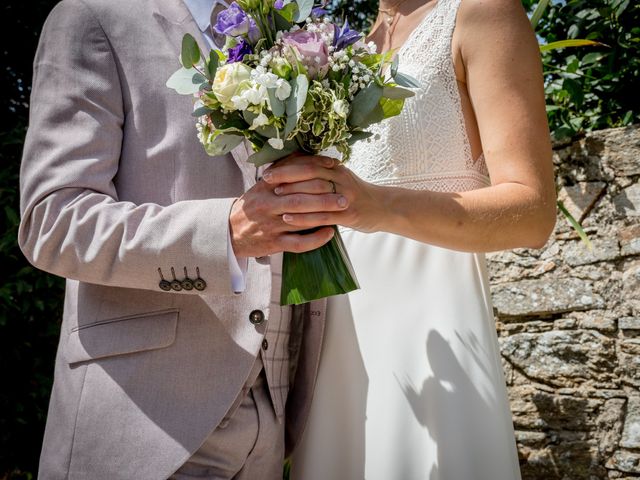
column 72, row 222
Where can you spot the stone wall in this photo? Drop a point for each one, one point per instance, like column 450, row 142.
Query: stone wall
column 569, row 320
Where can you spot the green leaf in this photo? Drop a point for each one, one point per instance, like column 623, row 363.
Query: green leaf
column 223, row 144
column 304, row 10
column 405, row 80
column 391, row 107
column 363, row 104
column 268, row 154
column 288, row 12
column 295, row 102
column 576, row 226
column 537, row 13
column 281, row 23
column 190, row 51
column 394, row 65
column 396, row 93
column 277, row 105
column 200, row 111
column 592, row 57
column 568, row 43
column 212, row 64
column 186, row 81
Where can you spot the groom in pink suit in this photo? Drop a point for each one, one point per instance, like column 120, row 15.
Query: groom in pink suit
column 175, row 359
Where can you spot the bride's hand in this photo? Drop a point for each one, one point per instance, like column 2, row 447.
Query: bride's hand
column 366, row 210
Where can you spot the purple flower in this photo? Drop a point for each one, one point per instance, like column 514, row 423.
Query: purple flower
column 317, row 11
column 237, row 53
column 235, row 22
column 344, row 36
column 278, row 4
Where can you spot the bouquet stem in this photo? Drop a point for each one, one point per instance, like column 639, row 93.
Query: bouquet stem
column 318, row 273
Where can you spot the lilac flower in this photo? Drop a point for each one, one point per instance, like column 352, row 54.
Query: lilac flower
column 345, row 36
column 317, row 11
column 235, row 22
column 278, row 4
column 237, row 53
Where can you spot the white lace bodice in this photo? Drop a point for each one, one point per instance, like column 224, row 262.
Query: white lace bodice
column 426, row 146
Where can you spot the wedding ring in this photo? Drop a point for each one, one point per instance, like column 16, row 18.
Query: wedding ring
column 333, row 186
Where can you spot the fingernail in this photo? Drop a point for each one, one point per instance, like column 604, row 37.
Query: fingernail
column 342, row 201
column 277, row 190
column 287, row 218
column 328, row 161
column 267, row 176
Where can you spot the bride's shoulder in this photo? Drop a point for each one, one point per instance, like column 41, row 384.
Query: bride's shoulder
column 486, row 24
column 487, row 14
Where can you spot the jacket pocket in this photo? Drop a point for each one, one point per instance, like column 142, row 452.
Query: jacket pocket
column 118, row 336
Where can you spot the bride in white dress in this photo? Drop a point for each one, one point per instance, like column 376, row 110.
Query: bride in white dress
column 410, row 382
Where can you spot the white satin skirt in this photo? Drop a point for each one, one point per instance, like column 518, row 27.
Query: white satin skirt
column 410, row 384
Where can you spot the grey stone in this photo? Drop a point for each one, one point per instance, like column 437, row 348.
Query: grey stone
column 629, row 323
column 629, row 238
column 624, row 461
column 629, row 362
column 579, row 199
column 619, row 150
column 562, row 358
column 631, row 286
column 631, row 432
column 628, row 201
column 576, row 253
column 544, row 296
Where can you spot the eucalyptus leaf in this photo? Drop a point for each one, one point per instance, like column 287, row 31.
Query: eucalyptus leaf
column 268, row 131
column 396, row 93
column 212, row 64
column 190, row 51
column 376, row 115
column 363, row 104
column 186, row 81
column 394, row 65
column 295, row 102
column 200, row 111
column 405, row 80
column 277, row 105
column 268, row 154
column 304, row 10
column 223, row 144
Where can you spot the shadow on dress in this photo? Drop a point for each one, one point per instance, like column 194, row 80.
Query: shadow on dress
column 467, row 428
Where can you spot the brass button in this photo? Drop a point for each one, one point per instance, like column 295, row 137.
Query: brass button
column 187, row 283
column 176, row 285
column 256, row 317
column 265, row 344
column 199, row 283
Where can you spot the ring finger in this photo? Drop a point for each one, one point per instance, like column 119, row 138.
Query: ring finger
column 315, row 186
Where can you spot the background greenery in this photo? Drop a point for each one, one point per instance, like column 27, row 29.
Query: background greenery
column 588, row 88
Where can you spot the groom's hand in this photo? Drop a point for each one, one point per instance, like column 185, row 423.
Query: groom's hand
column 256, row 220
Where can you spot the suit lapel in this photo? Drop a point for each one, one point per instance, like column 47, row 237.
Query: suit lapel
column 176, row 20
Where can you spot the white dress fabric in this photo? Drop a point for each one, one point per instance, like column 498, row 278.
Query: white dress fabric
column 410, row 383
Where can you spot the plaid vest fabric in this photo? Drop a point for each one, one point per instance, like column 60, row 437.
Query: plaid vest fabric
column 277, row 347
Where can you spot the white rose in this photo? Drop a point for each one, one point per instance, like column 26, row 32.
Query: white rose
column 230, row 81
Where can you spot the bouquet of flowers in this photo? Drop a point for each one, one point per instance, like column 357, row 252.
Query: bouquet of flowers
column 288, row 79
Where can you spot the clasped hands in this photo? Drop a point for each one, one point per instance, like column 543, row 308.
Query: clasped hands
column 298, row 193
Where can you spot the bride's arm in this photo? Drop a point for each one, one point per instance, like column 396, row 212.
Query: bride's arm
column 497, row 55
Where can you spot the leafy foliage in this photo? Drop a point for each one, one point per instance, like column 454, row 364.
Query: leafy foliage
column 590, row 88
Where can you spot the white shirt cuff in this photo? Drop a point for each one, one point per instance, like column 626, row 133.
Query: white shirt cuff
column 237, row 268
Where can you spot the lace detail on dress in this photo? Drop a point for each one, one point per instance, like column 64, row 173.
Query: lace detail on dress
column 426, row 146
